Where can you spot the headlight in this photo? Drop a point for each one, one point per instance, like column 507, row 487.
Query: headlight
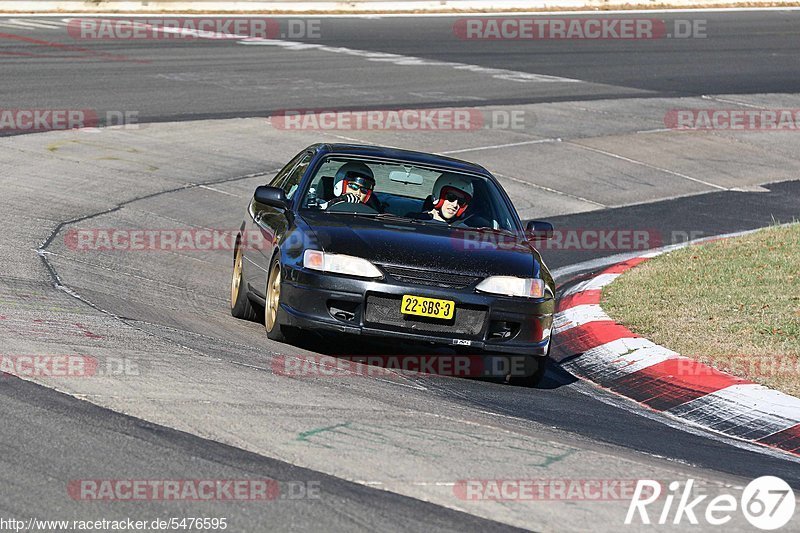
column 512, row 286
column 340, row 264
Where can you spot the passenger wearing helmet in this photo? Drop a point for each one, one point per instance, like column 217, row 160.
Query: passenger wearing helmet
column 354, row 183
column 451, row 197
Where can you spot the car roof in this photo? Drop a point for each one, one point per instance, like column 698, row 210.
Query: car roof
column 385, row 152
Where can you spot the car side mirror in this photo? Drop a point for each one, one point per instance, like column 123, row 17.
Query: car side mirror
column 538, row 230
column 272, row 196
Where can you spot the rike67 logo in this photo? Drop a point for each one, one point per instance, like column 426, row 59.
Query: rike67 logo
column 767, row 503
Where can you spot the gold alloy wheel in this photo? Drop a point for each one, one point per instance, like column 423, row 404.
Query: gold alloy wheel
column 236, row 279
column 273, row 296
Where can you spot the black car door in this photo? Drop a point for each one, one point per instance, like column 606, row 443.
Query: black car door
column 266, row 223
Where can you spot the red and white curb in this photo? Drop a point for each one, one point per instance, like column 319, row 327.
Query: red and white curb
column 627, row 364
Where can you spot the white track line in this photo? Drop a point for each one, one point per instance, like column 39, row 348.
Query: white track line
column 648, row 165
column 219, row 191
column 368, row 55
column 729, row 101
column 405, row 61
column 496, row 146
column 38, row 24
column 547, row 189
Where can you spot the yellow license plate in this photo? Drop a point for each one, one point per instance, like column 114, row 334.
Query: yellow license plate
column 420, row 306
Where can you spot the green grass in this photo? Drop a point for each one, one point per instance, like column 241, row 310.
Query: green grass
column 734, row 304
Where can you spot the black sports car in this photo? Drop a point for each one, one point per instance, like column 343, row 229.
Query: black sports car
column 368, row 240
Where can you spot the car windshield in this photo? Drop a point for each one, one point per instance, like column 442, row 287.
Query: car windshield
column 406, row 190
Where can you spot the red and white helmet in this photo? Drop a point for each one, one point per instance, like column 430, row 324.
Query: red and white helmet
column 452, row 183
column 356, row 172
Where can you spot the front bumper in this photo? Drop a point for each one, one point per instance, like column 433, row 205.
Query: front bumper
column 315, row 300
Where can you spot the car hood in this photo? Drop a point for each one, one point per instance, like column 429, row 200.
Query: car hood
column 425, row 245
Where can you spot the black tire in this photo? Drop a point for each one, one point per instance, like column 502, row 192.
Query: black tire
column 241, row 307
column 275, row 330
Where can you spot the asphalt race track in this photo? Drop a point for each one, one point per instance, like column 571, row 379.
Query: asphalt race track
column 186, row 392
column 741, row 54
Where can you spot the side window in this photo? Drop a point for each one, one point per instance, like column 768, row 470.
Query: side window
column 321, row 187
column 293, row 181
column 280, row 177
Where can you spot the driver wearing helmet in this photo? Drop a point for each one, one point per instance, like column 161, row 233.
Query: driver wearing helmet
column 451, row 197
column 354, row 183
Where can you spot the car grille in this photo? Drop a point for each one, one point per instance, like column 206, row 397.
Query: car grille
column 385, row 310
column 431, row 278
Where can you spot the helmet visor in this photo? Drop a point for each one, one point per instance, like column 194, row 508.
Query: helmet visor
column 451, row 194
column 359, row 182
